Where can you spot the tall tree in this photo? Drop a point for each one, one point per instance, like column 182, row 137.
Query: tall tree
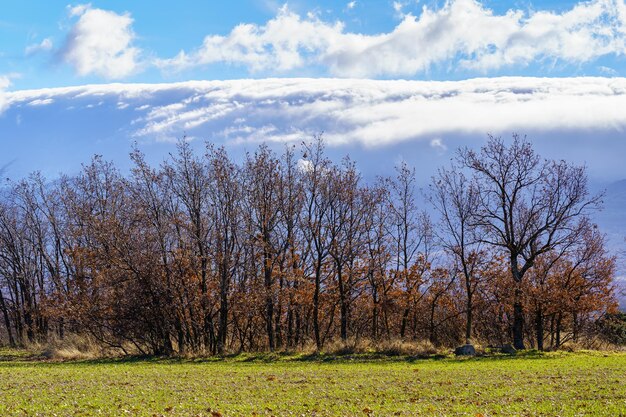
column 346, row 216
column 225, row 196
column 527, row 206
column 456, row 199
column 318, row 195
column 411, row 232
column 262, row 179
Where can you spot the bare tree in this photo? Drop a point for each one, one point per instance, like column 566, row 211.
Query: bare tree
column 290, row 201
column 411, row 232
column 456, row 199
column 207, row 254
column 318, row 193
column 225, row 196
column 378, row 256
column 346, row 216
column 262, row 193
column 527, row 206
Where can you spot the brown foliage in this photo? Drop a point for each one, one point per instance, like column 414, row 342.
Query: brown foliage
column 202, row 255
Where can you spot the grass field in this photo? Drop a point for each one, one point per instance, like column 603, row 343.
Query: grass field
column 561, row 384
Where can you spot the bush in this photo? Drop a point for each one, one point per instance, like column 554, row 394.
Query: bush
column 612, row 327
column 395, row 347
column 72, row 347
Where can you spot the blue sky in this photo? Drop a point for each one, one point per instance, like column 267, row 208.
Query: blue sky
column 40, row 42
column 474, row 66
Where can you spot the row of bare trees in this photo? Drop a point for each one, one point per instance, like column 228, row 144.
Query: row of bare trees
column 205, row 255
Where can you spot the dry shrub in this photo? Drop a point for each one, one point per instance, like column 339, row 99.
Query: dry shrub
column 74, row 347
column 342, row 347
column 592, row 343
column 398, row 347
column 395, row 347
column 308, row 347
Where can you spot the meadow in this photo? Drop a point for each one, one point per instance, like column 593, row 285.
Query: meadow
column 529, row 384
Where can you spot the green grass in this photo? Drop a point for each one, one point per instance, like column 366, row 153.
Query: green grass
column 534, row 384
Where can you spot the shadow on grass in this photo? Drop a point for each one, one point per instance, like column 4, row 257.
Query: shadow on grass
column 23, row 356
column 20, row 355
column 319, row 358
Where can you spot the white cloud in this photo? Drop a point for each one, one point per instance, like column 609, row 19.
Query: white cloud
column 437, row 143
column 43, row 46
column 281, row 44
column 5, row 82
column 304, row 165
column 366, row 112
column 40, row 102
column 351, row 5
column 101, row 43
column 607, row 70
column 78, row 10
column 462, row 32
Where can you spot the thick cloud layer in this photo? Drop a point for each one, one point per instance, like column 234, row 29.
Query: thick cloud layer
column 366, row 112
column 5, row 82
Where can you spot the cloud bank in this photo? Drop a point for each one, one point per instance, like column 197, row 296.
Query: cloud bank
column 365, row 112
column 5, row 82
column 462, row 33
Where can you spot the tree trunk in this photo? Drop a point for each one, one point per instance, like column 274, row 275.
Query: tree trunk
column 558, row 330
column 61, row 328
column 278, row 330
column 375, row 316
column 405, row 318
column 298, row 326
column 316, row 308
column 539, row 328
column 269, row 303
column 223, row 313
column 431, row 326
column 7, row 321
column 344, row 320
column 290, row 326
column 468, row 320
column 343, row 305
column 575, row 327
column 551, row 331
column 518, row 321
column 205, row 298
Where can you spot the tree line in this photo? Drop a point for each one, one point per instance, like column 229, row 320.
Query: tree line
column 202, row 254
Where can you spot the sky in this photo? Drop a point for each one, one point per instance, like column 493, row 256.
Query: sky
column 55, row 43
column 404, row 77
column 385, row 81
column 417, row 77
